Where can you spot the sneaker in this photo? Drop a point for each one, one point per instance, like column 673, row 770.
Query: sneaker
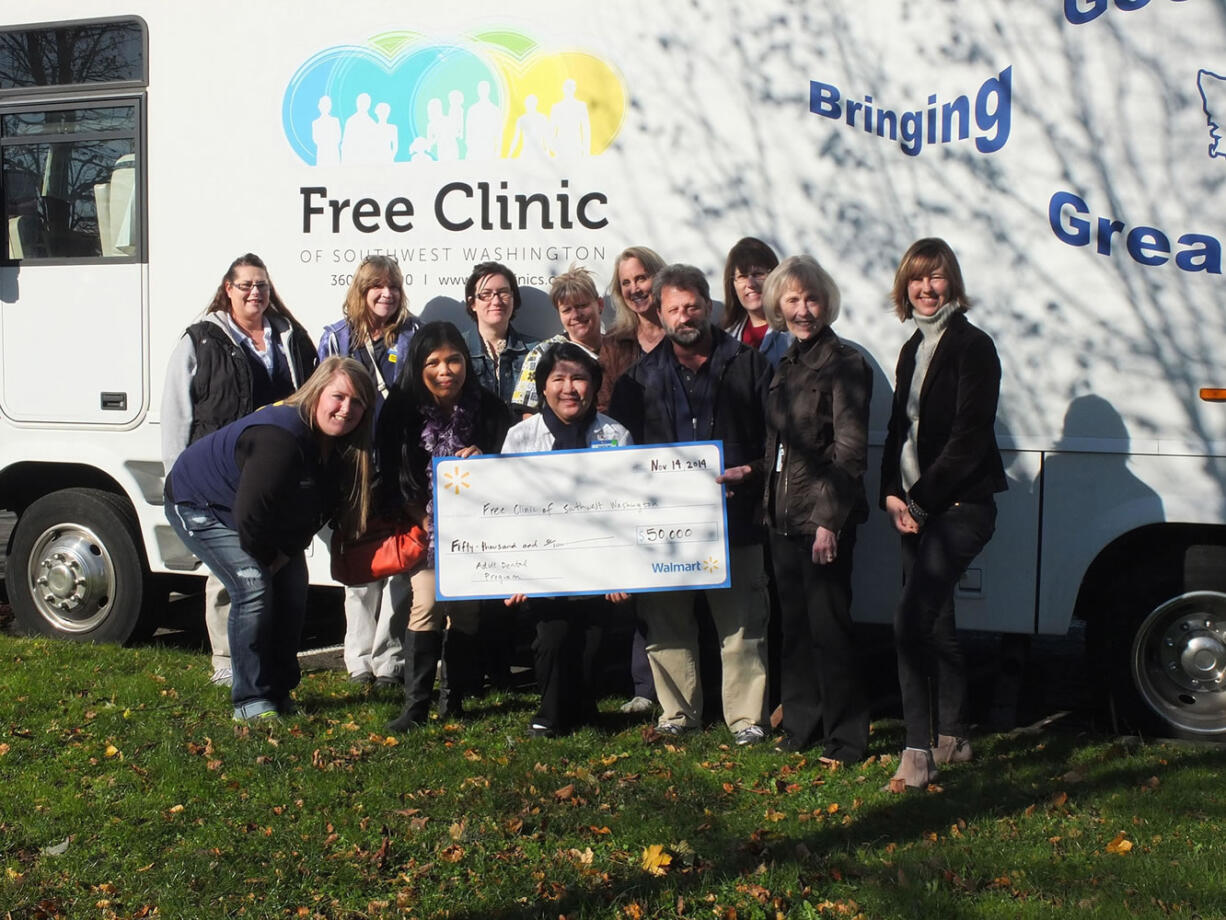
column 751, row 735
column 389, row 680
column 638, row 705
column 268, row 715
column 222, row 677
column 540, row 730
column 674, row 728
column 363, row 678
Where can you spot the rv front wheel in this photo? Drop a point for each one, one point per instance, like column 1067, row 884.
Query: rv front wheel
column 75, row 569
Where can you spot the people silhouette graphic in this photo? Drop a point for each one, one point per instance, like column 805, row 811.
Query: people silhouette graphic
column 483, row 127
column 360, row 142
column 388, row 134
column 570, row 125
column 531, row 140
column 326, row 133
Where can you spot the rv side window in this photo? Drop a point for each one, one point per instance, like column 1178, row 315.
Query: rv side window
column 70, row 181
column 72, row 54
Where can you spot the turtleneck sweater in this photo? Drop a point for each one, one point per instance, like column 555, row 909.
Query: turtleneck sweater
column 931, row 329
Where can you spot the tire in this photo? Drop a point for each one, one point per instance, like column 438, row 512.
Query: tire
column 76, row 569
column 1177, row 665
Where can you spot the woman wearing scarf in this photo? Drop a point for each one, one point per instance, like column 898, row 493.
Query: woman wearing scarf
column 568, row 628
column 437, row 409
column 939, row 471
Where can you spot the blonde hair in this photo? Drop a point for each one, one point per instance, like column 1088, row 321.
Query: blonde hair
column 625, row 320
column 354, row 448
column 807, row 274
column 922, row 258
column 574, row 285
column 375, row 271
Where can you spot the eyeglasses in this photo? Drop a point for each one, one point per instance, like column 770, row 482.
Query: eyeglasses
column 487, row 295
column 754, row 274
column 248, row 286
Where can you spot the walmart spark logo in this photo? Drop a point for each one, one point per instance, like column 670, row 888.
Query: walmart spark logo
column 708, row 565
column 406, row 97
column 454, row 480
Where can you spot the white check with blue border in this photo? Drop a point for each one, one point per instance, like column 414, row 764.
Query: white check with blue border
column 569, row 522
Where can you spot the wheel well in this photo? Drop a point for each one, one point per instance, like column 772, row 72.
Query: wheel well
column 1174, row 556
column 24, row 483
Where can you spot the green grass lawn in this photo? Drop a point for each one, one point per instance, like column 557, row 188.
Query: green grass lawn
column 127, row 791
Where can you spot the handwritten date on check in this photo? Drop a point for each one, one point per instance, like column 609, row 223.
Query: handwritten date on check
column 581, row 522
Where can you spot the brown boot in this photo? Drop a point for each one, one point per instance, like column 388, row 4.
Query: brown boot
column 915, row 771
column 951, row 750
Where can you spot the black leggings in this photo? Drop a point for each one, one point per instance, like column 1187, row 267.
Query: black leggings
column 924, row 630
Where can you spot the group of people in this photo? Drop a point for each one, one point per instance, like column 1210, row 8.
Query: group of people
column 248, row 487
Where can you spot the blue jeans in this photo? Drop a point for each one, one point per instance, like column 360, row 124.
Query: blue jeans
column 266, row 612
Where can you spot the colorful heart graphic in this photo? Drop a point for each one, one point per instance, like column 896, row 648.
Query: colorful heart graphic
column 403, row 98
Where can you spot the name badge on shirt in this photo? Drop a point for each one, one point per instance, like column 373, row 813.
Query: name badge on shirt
column 605, row 442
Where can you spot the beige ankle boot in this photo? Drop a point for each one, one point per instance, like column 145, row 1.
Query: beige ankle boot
column 951, row 750
column 915, row 771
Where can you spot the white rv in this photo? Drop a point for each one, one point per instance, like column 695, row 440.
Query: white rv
column 1069, row 150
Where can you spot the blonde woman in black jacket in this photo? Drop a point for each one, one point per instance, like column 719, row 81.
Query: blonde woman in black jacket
column 940, row 470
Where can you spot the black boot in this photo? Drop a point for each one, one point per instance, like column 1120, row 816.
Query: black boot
column 459, row 651
column 422, row 650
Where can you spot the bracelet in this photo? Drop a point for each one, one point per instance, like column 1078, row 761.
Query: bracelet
column 918, row 513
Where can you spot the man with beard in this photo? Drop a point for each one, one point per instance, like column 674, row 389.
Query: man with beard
column 703, row 385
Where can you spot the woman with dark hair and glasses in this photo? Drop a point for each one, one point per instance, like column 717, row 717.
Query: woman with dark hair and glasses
column 940, row 471
column 436, row 409
column 246, row 352
column 749, row 262
column 496, row 349
column 376, row 330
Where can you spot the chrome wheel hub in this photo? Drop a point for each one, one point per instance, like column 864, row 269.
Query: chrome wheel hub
column 71, row 577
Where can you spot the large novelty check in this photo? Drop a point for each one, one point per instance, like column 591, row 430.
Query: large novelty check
column 581, row 522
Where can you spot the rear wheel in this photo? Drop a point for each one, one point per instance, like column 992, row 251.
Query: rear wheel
column 76, row 571
column 1177, row 663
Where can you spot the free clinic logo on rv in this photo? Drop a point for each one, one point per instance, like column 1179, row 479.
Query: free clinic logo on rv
column 404, row 97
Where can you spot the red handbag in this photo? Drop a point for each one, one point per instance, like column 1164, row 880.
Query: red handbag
column 387, row 547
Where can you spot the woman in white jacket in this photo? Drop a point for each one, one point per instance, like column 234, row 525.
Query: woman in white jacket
column 568, row 629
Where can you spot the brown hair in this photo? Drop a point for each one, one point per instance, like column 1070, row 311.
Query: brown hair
column 748, row 252
column 375, row 271
column 221, row 300
column 922, row 258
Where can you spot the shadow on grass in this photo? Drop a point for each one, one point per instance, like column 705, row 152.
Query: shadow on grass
column 1018, row 776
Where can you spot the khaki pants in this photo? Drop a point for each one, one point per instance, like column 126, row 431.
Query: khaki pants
column 426, row 614
column 217, row 620
column 740, row 613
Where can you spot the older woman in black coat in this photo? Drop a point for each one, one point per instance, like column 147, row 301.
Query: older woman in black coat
column 816, row 451
column 940, row 470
